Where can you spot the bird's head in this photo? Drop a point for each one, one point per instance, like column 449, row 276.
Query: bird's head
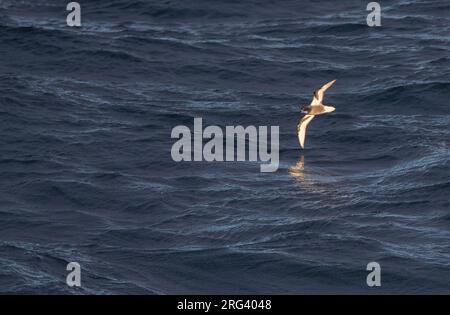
column 305, row 109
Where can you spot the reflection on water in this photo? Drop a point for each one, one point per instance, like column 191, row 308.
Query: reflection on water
column 304, row 176
column 314, row 181
column 298, row 170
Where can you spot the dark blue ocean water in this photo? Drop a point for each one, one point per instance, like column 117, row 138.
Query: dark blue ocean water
column 86, row 172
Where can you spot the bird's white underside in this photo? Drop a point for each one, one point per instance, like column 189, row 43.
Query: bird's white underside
column 302, row 130
column 316, row 103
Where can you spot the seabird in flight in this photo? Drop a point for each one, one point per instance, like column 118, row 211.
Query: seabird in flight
column 315, row 108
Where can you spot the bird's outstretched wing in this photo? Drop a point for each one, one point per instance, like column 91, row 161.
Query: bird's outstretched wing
column 318, row 94
column 301, row 129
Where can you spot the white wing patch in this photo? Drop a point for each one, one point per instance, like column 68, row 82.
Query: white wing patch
column 301, row 129
column 318, row 94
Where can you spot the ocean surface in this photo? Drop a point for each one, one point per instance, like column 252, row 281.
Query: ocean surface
column 86, row 116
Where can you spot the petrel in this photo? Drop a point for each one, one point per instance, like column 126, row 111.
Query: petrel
column 315, row 108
